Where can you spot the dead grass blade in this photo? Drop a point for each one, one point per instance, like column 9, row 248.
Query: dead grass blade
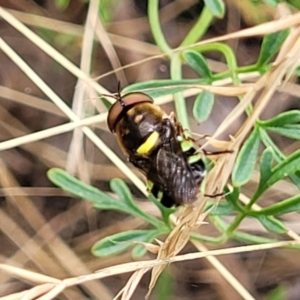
column 132, row 283
column 37, row 291
column 28, row 275
column 145, row 265
column 51, row 51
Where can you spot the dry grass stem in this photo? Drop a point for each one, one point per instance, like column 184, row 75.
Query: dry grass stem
column 51, row 51
column 134, row 266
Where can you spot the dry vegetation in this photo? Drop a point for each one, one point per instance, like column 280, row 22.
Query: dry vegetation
column 46, row 236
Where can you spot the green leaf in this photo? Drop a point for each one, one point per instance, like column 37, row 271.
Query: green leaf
column 164, row 288
column 278, row 293
column 278, row 155
column 233, row 196
column 105, row 102
column 270, row 46
column 198, row 63
column 138, row 251
column 99, row 199
column 297, row 71
column 272, row 3
column 162, row 87
column 232, row 205
column 121, row 189
column 117, row 243
column 165, row 211
column 272, row 224
column 62, row 4
column 266, row 161
column 221, row 209
column 246, row 160
column 295, row 3
column 288, row 166
column 284, row 124
column 76, row 187
column 107, row 9
column 216, row 7
column 286, row 206
column 290, row 131
column 203, row 106
column 285, row 118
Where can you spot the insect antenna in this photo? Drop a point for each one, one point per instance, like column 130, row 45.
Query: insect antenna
column 208, row 153
column 118, row 96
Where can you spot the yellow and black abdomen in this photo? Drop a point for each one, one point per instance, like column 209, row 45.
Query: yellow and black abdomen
column 173, row 168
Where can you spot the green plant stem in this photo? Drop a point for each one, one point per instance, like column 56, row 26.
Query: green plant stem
column 239, row 218
column 229, row 57
column 153, row 15
column 268, row 142
column 230, row 61
column 250, row 238
column 179, row 101
column 208, row 239
column 253, row 68
column 199, row 28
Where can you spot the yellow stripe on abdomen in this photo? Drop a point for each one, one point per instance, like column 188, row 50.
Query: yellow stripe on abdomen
column 148, row 145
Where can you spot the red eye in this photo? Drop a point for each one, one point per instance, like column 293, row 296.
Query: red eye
column 122, row 105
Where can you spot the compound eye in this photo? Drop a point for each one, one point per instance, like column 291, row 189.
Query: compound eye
column 122, row 105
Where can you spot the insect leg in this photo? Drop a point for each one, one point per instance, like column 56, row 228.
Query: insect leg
column 208, row 153
column 215, row 195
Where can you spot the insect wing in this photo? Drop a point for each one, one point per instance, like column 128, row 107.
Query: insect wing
column 172, row 175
